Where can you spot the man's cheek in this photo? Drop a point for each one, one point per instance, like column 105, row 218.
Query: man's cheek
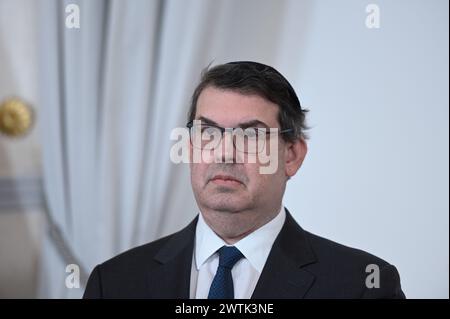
column 208, row 157
column 199, row 173
column 267, row 161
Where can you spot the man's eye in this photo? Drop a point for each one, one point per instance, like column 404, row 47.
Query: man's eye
column 251, row 132
column 209, row 130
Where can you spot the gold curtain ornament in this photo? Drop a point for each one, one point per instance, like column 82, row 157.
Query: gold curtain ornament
column 16, row 117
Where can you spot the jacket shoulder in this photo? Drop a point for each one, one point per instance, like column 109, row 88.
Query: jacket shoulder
column 127, row 275
column 136, row 256
column 328, row 250
column 346, row 272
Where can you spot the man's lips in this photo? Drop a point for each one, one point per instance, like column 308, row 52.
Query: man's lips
column 225, row 180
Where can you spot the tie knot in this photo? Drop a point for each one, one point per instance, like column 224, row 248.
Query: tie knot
column 229, row 256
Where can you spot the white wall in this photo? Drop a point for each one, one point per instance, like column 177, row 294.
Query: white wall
column 376, row 175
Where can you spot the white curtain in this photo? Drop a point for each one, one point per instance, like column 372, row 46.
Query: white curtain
column 111, row 91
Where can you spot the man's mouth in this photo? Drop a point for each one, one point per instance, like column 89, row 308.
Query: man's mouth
column 225, row 180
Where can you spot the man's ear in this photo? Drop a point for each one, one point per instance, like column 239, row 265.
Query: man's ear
column 295, row 153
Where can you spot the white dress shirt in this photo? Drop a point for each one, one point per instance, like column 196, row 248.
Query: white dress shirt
column 255, row 247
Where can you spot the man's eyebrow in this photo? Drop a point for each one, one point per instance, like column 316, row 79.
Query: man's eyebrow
column 207, row 120
column 250, row 123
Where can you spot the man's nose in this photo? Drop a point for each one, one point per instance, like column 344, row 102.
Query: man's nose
column 227, row 153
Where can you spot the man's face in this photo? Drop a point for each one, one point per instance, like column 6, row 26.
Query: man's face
column 237, row 186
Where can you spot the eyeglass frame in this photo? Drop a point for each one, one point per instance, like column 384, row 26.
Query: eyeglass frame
column 222, row 130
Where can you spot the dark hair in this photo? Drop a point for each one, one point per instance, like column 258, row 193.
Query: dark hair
column 249, row 77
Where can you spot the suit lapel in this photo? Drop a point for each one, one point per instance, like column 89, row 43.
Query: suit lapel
column 171, row 278
column 283, row 276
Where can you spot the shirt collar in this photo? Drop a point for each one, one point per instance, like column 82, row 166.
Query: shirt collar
column 255, row 247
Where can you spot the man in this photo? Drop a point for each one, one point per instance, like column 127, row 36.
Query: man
column 244, row 243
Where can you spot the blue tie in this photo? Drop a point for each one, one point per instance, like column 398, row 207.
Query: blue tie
column 222, row 284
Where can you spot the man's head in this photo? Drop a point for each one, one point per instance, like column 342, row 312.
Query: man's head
column 234, row 197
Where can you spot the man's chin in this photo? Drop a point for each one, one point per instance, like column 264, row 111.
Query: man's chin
column 224, row 202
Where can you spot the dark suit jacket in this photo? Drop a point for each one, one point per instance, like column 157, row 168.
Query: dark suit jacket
column 300, row 265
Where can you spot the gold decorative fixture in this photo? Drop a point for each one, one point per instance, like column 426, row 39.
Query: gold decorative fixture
column 16, row 117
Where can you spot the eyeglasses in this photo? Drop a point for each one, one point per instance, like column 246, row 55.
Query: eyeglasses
column 250, row 140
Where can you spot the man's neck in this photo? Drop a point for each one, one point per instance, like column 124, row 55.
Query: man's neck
column 233, row 226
